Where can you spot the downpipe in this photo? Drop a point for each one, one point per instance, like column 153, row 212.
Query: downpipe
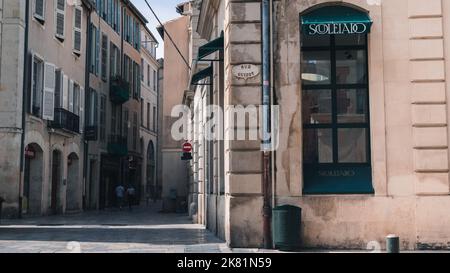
column 24, row 111
column 266, row 121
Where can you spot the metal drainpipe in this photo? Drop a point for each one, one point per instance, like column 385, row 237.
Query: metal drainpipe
column 24, row 106
column 122, row 71
column 86, row 99
column 272, row 96
column 266, row 122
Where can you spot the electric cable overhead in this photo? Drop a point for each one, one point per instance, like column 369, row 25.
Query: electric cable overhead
column 168, row 35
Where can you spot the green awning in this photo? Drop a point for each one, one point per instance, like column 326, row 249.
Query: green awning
column 210, row 47
column 336, row 20
column 202, row 74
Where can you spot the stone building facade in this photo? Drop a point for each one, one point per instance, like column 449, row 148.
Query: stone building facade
column 175, row 79
column 363, row 133
column 149, row 113
column 42, row 107
column 114, row 102
column 70, row 109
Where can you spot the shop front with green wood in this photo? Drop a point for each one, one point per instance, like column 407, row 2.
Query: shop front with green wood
column 335, row 101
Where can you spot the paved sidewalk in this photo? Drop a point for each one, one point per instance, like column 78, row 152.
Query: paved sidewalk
column 143, row 230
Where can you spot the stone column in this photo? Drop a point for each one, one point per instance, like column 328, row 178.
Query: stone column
column 12, row 30
column 243, row 158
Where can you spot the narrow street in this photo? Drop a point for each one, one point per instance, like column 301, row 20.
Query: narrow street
column 143, row 230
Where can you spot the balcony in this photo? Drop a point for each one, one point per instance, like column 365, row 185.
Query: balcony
column 65, row 120
column 119, row 91
column 117, row 145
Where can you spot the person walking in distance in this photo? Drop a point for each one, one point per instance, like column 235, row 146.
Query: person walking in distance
column 131, row 192
column 120, row 193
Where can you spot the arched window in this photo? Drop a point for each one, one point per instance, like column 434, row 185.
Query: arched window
column 335, row 101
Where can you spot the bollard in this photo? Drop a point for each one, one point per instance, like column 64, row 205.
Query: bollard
column 392, row 244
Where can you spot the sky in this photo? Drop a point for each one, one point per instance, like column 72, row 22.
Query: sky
column 165, row 9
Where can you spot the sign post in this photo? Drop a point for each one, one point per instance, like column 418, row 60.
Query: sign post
column 187, row 151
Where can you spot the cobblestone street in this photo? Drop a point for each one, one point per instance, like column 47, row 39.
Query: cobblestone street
column 143, row 230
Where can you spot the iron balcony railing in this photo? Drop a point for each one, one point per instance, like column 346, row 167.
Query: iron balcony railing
column 119, row 90
column 117, row 145
column 65, row 120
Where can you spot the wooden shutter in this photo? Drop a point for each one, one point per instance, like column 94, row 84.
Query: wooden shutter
column 58, row 88
column 77, row 25
column 76, row 99
column 30, row 106
column 48, row 111
column 60, row 14
column 104, row 57
column 118, row 61
column 82, row 109
column 95, row 108
column 97, row 51
column 65, row 90
column 71, row 92
column 39, row 9
column 119, row 17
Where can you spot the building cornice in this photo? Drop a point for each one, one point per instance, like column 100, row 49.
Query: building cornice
column 208, row 9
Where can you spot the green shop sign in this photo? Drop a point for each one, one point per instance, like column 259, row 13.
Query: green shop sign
column 337, row 29
column 336, row 20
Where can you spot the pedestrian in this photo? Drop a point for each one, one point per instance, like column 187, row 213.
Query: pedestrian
column 120, row 193
column 131, row 192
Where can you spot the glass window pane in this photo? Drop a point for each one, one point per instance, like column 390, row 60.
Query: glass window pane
column 351, row 40
column 351, row 67
column 315, row 41
column 317, row 146
column 316, row 67
column 316, row 105
column 352, row 145
column 352, row 106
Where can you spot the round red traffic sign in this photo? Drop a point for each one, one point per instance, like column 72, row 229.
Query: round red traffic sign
column 187, row 147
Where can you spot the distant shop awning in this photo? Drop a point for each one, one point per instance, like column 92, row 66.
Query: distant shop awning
column 210, row 48
column 202, row 74
column 336, row 20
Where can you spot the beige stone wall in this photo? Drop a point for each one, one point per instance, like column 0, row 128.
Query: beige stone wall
column 176, row 80
column 59, row 53
column 243, row 220
column 97, row 148
column 148, row 130
column 12, row 20
column 37, row 133
column 409, row 132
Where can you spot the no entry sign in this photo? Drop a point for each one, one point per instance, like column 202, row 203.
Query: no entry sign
column 187, row 147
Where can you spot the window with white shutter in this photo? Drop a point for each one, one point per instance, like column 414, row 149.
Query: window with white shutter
column 48, row 110
column 60, row 14
column 65, row 90
column 39, row 10
column 77, row 26
column 37, row 86
column 148, row 76
column 59, row 88
column 97, row 52
column 82, row 109
column 71, row 92
column 119, row 17
column 76, row 99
